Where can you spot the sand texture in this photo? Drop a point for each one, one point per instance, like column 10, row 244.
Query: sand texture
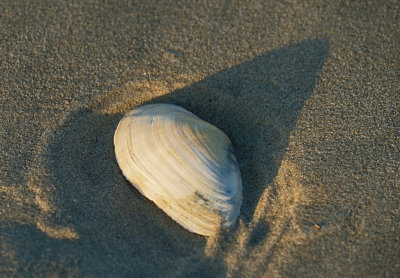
column 307, row 91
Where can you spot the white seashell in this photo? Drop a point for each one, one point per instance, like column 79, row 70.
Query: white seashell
column 185, row 165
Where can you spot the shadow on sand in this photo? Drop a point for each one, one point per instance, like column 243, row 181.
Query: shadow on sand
column 256, row 103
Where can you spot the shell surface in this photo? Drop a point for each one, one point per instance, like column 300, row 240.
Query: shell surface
column 185, row 165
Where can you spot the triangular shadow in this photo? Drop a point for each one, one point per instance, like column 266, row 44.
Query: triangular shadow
column 257, row 104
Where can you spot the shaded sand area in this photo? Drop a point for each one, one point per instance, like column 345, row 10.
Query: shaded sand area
column 309, row 94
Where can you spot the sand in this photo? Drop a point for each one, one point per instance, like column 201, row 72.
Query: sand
column 308, row 92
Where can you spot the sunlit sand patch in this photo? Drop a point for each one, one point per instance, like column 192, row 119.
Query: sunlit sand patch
column 42, row 222
column 274, row 222
column 23, row 205
column 133, row 94
column 57, row 232
column 40, row 198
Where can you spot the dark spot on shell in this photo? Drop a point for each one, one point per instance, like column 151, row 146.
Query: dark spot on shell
column 200, row 198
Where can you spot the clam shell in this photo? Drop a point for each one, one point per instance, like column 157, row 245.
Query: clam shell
column 183, row 164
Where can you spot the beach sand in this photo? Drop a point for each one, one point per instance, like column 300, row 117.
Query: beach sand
column 308, row 92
